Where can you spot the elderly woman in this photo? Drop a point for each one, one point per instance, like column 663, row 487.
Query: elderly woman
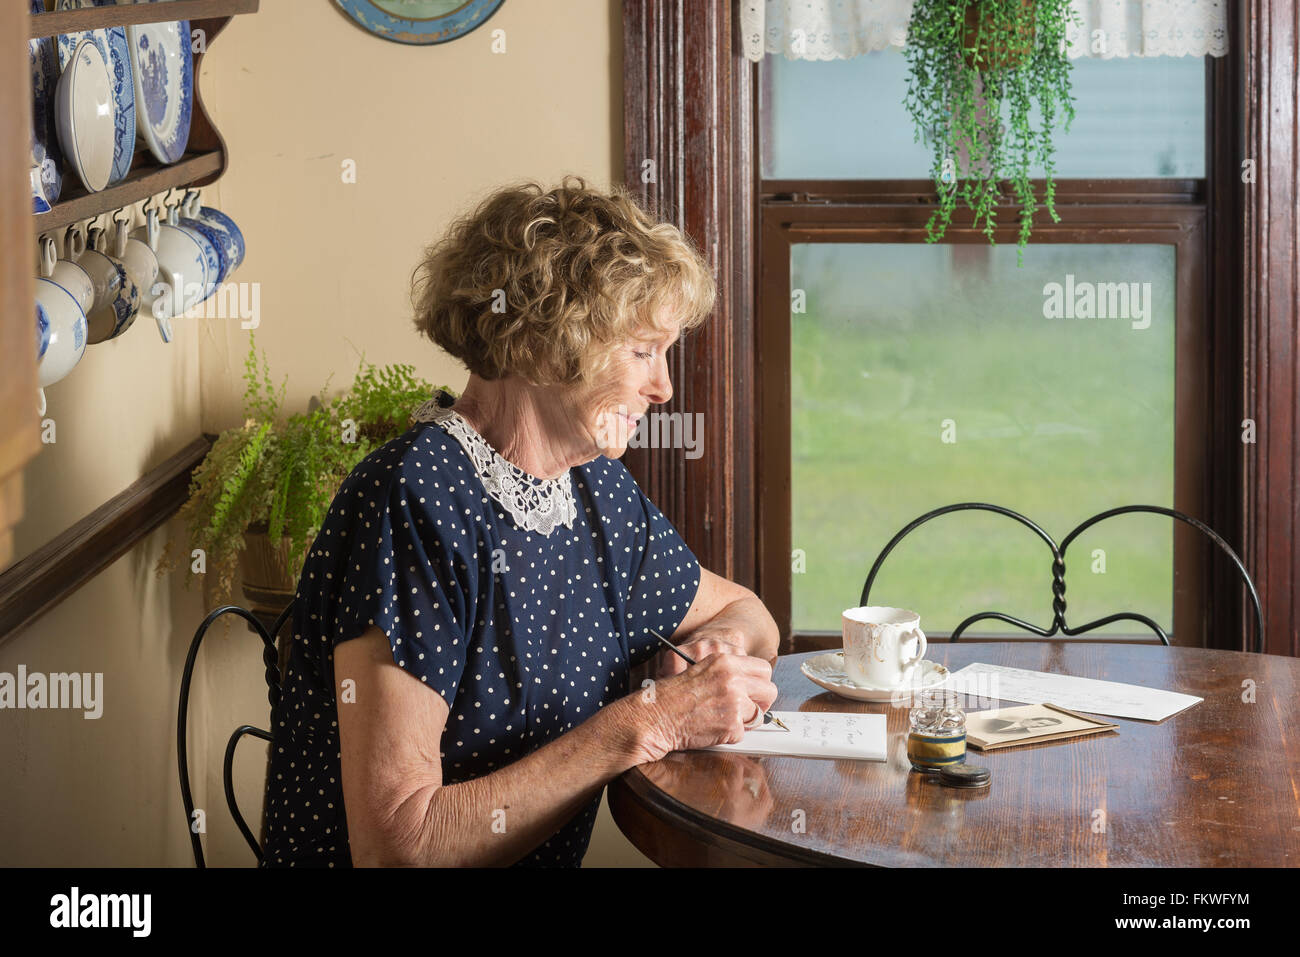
column 468, row 619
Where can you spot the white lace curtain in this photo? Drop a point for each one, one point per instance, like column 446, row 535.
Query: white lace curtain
column 837, row 29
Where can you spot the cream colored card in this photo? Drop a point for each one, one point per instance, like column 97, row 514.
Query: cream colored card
column 817, row 734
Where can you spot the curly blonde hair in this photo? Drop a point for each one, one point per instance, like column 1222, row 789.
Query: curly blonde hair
column 543, row 284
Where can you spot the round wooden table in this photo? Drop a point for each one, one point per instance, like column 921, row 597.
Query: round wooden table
column 1215, row 785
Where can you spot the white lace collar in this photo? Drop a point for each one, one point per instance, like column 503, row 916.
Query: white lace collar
column 536, row 504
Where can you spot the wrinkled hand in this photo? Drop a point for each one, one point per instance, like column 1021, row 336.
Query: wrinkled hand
column 703, row 641
column 711, row 702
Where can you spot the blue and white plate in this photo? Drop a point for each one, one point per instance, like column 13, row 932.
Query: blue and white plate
column 113, row 46
column 163, row 64
column 45, row 77
column 421, row 21
column 39, row 203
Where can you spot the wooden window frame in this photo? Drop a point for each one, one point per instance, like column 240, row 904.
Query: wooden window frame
column 689, row 110
column 880, row 212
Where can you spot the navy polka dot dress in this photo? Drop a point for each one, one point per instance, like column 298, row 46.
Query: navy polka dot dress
column 524, row 634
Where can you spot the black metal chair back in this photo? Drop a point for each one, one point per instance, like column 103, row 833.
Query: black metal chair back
column 1058, row 570
column 271, row 659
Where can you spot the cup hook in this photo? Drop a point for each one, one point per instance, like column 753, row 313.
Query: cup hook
column 49, row 255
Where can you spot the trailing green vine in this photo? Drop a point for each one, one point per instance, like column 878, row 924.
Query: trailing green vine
column 969, row 62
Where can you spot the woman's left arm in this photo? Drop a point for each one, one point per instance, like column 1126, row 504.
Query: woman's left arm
column 724, row 618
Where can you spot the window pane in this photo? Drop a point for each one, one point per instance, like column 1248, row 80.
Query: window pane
column 927, row 375
column 845, row 119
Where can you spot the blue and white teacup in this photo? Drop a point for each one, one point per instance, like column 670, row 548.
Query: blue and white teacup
column 42, row 332
column 208, row 242
column 64, row 338
column 135, row 256
column 117, row 298
column 231, row 238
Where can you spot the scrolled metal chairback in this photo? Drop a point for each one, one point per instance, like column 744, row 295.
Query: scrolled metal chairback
column 1059, row 624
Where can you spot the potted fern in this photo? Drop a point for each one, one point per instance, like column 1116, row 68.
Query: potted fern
column 261, row 494
column 969, row 62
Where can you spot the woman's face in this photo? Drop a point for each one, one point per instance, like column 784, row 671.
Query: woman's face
column 636, row 379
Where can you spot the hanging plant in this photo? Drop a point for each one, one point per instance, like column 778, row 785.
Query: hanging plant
column 969, row 62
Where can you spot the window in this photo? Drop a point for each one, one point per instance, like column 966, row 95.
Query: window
column 901, row 376
column 1134, row 118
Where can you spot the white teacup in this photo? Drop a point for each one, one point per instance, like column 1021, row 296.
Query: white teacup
column 67, row 272
column 882, row 645
column 182, row 270
column 66, row 341
column 139, row 261
column 159, row 288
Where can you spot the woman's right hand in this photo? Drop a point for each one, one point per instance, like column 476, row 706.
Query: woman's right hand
column 712, row 702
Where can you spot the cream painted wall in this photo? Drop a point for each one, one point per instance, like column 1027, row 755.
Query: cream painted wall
column 296, row 90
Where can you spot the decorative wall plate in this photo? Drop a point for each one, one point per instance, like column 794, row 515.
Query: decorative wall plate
column 419, row 21
column 163, row 64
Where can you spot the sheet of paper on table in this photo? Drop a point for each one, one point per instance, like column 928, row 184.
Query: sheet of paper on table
column 1079, row 694
column 816, row 734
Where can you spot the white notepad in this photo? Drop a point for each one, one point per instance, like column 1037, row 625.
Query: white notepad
column 816, row 734
column 1078, row 694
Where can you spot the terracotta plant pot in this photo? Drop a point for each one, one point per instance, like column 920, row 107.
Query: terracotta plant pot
column 985, row 49
column 269, row 580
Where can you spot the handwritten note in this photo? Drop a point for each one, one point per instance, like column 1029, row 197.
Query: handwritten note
column 1078, row 694
column 821, row 734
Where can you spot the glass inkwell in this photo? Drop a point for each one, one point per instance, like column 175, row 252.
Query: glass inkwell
column 936, row 731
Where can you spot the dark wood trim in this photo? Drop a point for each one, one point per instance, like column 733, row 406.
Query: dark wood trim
column 1229, row 615
column 142, row 182
column 802, row 641
column 687, row 108
column 1270, row 235
column 786, row 223
column 773, row 465
column 204, row 135
column 920, row 191
column 93, row 18
column 54, row 571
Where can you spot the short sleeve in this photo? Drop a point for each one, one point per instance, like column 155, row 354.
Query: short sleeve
column 403, row 575
column 664, row 583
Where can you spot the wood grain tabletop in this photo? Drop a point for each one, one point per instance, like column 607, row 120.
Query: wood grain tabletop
column 1215, row 785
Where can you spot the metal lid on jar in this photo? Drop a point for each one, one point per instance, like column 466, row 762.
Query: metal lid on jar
column 965, row 776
